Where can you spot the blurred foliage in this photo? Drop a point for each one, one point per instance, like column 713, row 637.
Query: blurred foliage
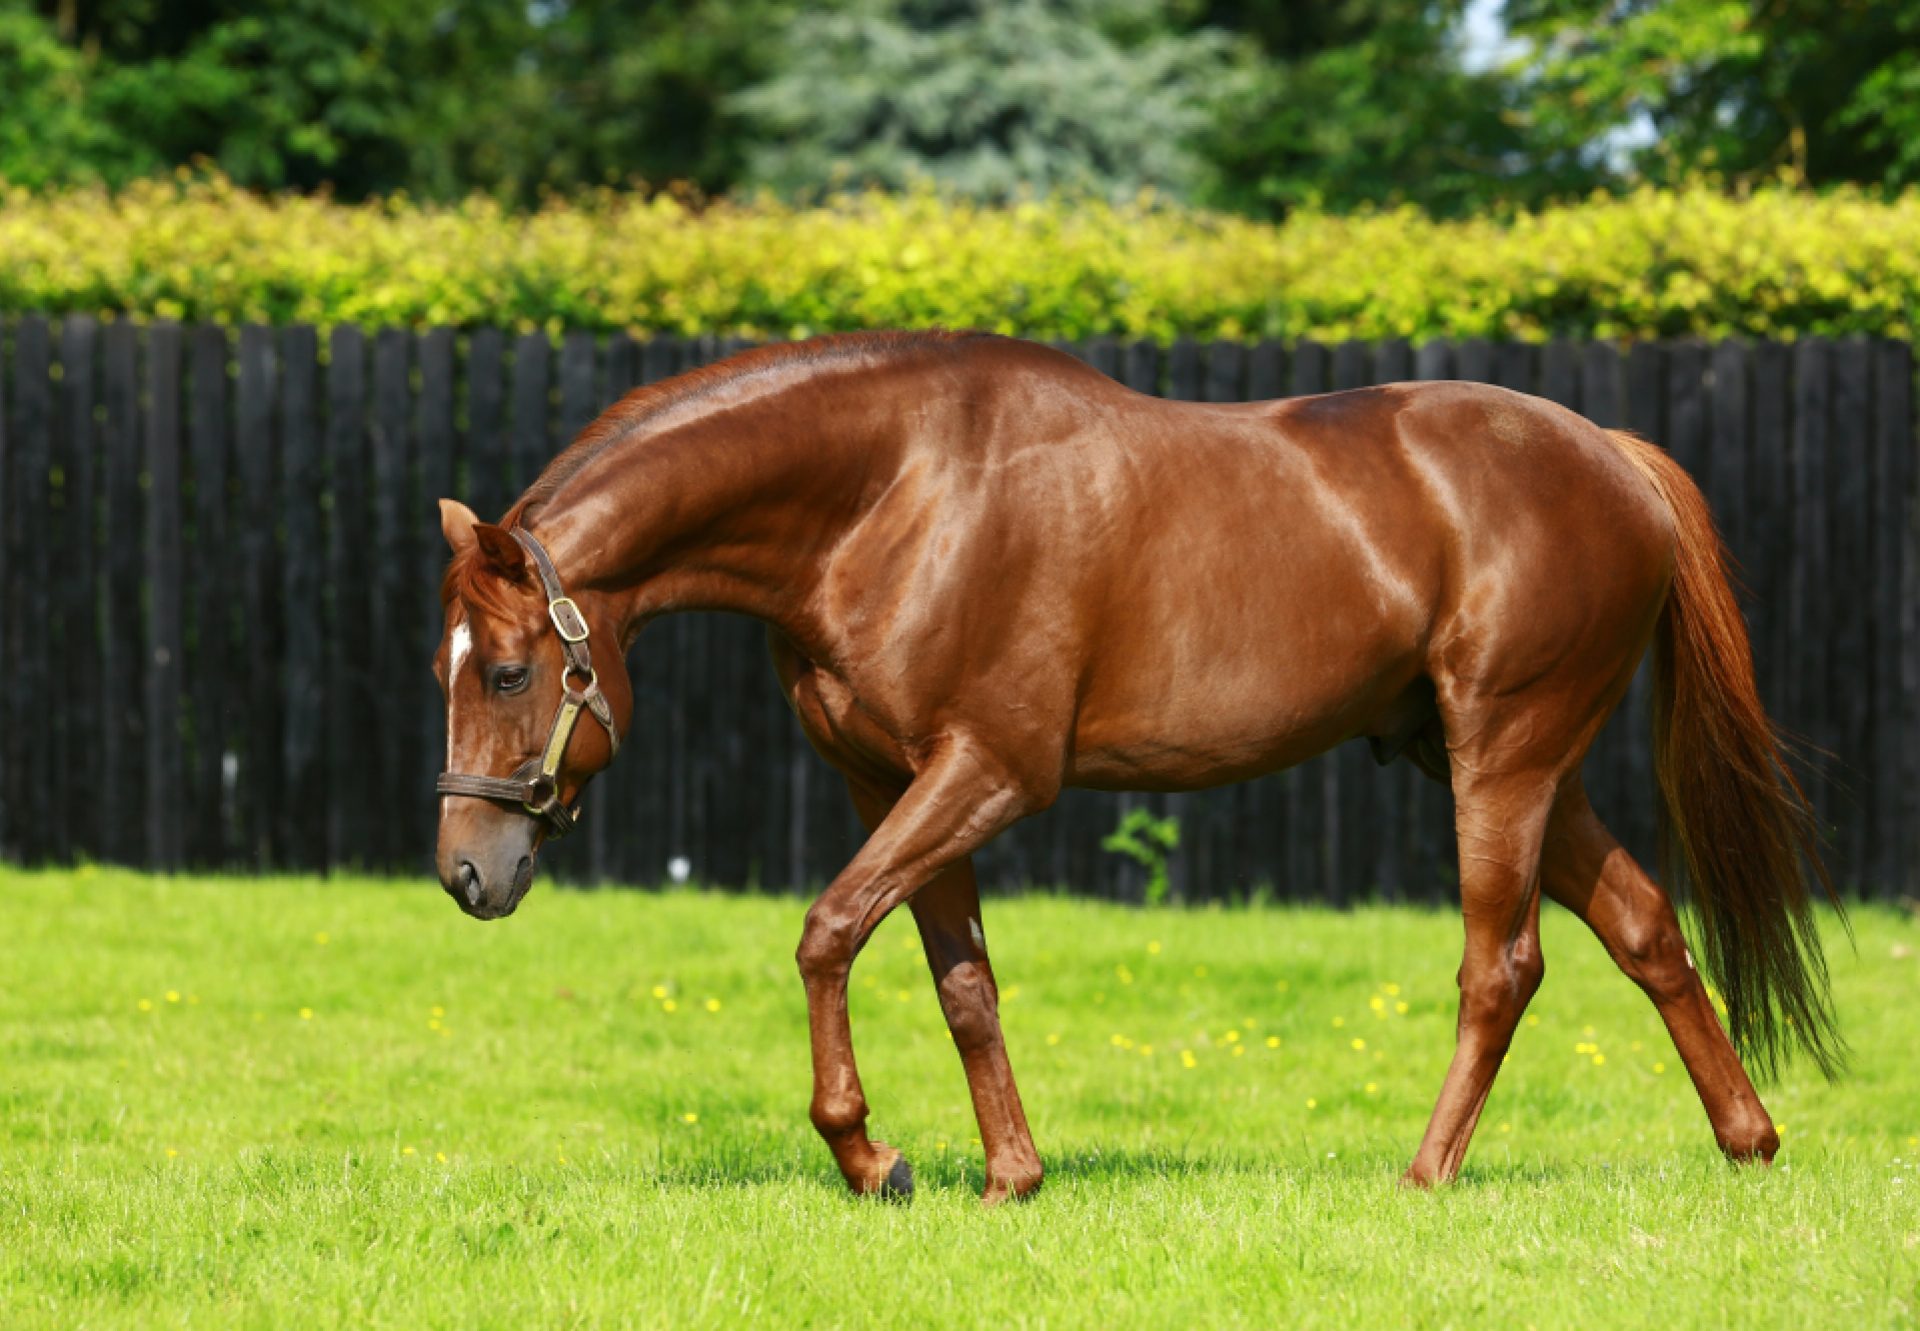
column 1358, row 102
column 381, row 96
column 1827, row 90
column 985, row 98
column 1257, row 106
column 1652, row 263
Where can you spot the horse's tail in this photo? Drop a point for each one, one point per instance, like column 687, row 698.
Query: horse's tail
column 1734, row 822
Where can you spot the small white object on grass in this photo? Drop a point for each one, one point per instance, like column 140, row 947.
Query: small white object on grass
column 678, row 868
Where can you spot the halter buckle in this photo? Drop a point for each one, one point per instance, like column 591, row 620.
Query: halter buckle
column 543, row 792
column 567, row 619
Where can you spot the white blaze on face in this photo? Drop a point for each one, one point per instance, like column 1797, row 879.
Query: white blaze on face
column 462, row 647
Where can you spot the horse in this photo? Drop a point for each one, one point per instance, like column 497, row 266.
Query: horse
column 989, row 572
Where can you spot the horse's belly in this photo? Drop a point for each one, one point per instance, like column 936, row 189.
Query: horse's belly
column 1244, row 714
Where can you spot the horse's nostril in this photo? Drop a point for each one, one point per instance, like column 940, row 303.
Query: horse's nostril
column 470, row 882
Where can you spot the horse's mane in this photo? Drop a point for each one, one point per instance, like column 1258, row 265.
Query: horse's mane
column 625, row 419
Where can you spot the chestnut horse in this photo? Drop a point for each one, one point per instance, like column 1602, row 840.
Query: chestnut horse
column 989, row 572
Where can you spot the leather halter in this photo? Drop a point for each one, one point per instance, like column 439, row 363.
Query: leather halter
column 535, row 784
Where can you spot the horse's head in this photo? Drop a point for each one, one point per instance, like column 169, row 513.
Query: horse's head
column 528, row 721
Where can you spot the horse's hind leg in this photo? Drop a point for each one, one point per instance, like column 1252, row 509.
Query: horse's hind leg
column 1588, row 872
column 1501, row 821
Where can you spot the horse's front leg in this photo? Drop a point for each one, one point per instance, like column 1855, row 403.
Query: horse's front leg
column 947, row 910
column 959, row 800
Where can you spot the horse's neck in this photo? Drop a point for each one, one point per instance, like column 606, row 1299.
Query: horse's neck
column 737, row 511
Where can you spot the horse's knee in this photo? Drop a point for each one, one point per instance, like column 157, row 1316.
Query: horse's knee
column 1492, row 997
column 971, row 1004
column 828, row 945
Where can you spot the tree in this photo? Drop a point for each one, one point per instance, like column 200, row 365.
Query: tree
column 1826, row 92
column 379, row 96
column 1361, row 102
column 988, row 97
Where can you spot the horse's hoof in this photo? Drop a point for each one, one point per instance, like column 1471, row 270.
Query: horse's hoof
column 899, row 1184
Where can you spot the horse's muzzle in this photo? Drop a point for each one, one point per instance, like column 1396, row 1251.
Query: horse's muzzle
column 487, row 891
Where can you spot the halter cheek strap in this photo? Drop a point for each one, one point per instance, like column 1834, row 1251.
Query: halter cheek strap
column 535, row 784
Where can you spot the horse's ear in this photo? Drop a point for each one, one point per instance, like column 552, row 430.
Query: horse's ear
column 457, row 522
column 505, row 556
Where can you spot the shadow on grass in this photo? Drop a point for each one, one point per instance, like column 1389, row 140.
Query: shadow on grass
column 782, row 1160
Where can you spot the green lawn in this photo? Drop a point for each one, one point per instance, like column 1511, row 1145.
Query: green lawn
column 294, row 1102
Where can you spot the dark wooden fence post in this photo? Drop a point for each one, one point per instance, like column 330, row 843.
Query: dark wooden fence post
column 259, row 786
column 122, row 644
column 213, row 576
column 166, row 639
column 1896, row 625
column 303, row 813
column 79, row 612
column 34, row 723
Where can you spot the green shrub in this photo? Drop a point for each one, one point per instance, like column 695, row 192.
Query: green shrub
column 1657, row 263
column 1147, row 841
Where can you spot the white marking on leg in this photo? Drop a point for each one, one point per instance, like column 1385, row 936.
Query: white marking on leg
column 979, row 937
column 1688, row 953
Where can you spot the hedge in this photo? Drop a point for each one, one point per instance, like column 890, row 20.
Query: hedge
column 1655, row 263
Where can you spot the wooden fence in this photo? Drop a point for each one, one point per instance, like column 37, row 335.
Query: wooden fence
column 220, row 565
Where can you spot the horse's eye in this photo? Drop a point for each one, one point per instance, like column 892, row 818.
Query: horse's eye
column 510, row 679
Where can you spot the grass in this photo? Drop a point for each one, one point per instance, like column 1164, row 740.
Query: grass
column 294, row 1102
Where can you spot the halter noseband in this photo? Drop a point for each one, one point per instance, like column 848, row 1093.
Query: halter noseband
column 535, row 784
